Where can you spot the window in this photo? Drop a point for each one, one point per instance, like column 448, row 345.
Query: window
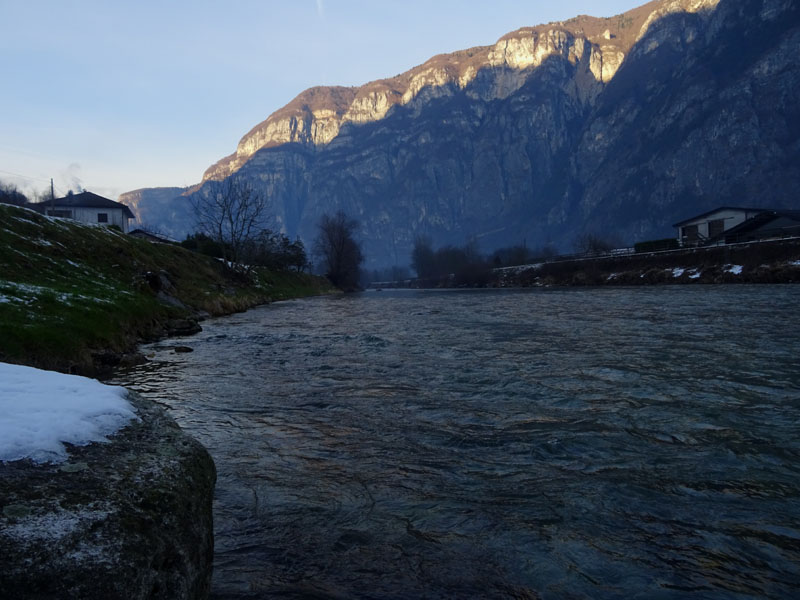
column 716, row 227
column 102, row 217
column 690, row 233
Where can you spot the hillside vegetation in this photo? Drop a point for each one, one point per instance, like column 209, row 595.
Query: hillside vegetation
column 77, row 298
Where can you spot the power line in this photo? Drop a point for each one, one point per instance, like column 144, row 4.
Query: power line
column 25, row 176
column 33, row 179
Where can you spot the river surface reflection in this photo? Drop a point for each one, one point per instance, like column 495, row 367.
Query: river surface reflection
column 597, row 443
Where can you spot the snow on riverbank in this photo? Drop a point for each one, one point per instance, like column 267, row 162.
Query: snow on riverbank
column 40, row 410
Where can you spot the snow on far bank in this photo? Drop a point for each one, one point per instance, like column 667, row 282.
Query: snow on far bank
column 735, row 269
column 39, row 410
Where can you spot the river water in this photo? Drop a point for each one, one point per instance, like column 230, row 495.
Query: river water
column 594, row 443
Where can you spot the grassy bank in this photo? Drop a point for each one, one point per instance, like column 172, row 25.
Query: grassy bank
column 76, row 298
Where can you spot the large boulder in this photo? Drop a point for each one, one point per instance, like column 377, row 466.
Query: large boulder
column 129, row 519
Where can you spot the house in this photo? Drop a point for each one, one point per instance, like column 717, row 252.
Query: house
column 87, row 207
column 768, row 224
column 702, row 229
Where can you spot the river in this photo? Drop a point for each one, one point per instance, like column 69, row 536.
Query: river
column 575, row 443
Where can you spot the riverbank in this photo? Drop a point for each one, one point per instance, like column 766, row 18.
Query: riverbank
column 764, row 262
column 755, row 262
column 80, row 299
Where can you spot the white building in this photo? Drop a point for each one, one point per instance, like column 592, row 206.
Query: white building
column 87, row 207
column 704, row 228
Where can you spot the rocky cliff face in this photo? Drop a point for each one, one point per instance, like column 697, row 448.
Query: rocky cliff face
column 316, row 116
column 623, row 125
column 162, row 210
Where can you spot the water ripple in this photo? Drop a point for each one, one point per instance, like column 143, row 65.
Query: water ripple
column 611, row 443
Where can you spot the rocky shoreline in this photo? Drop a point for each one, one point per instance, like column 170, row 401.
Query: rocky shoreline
column 128, row 519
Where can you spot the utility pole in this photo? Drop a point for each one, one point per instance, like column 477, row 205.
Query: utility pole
column 52, row 196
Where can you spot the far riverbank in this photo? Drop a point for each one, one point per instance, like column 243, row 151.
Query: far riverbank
column 756, row 262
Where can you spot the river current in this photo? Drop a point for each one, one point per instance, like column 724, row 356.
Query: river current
column 593, row 443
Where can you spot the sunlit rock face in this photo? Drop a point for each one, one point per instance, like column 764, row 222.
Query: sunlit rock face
column 619, row 125
column 317, row 115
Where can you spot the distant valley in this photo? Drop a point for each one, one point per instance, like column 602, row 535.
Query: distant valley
column 616, row 126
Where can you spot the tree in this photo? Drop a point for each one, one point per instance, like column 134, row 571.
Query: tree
column 230, row 213
column 591, row 244
column 423, row 259
column 202, row 243
column 338, row 250
column 277, row 252
column 9, row 194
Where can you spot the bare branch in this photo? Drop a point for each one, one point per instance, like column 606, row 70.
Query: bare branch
column 231, row 213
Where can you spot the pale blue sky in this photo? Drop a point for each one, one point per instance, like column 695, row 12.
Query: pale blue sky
column 119, row 95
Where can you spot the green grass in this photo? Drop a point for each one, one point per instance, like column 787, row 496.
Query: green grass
column 70, row 291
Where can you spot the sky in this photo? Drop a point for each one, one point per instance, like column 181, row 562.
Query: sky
column 112, row 96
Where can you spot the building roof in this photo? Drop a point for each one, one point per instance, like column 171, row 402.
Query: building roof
column 90, row 200
column 719, row 208
column 765, row 218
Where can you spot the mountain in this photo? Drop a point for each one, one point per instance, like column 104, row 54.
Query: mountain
column 616, row 126
column 161, row 210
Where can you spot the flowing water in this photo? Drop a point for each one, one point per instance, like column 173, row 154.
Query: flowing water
column 598, row 443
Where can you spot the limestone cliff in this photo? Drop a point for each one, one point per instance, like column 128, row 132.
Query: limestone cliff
column 623, row 124
column 317, row 115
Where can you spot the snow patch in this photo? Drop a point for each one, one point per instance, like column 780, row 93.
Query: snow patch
column 42, row 410
column 53, row 527
column 24, row 220
column 677, row 272
column 735, row 269
column 28, row 293
column 695, row 274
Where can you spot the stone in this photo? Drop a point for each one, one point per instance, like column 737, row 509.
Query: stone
column 182, row 327
column 128, row 519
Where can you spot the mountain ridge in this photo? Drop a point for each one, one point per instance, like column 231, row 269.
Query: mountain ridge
column 695, row 110
column 316, row 115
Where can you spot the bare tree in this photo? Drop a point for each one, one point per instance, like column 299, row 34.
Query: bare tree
column 9, row 194
column 338, row 250
column 423, row 258
column 231, row 213
column 591, row 244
